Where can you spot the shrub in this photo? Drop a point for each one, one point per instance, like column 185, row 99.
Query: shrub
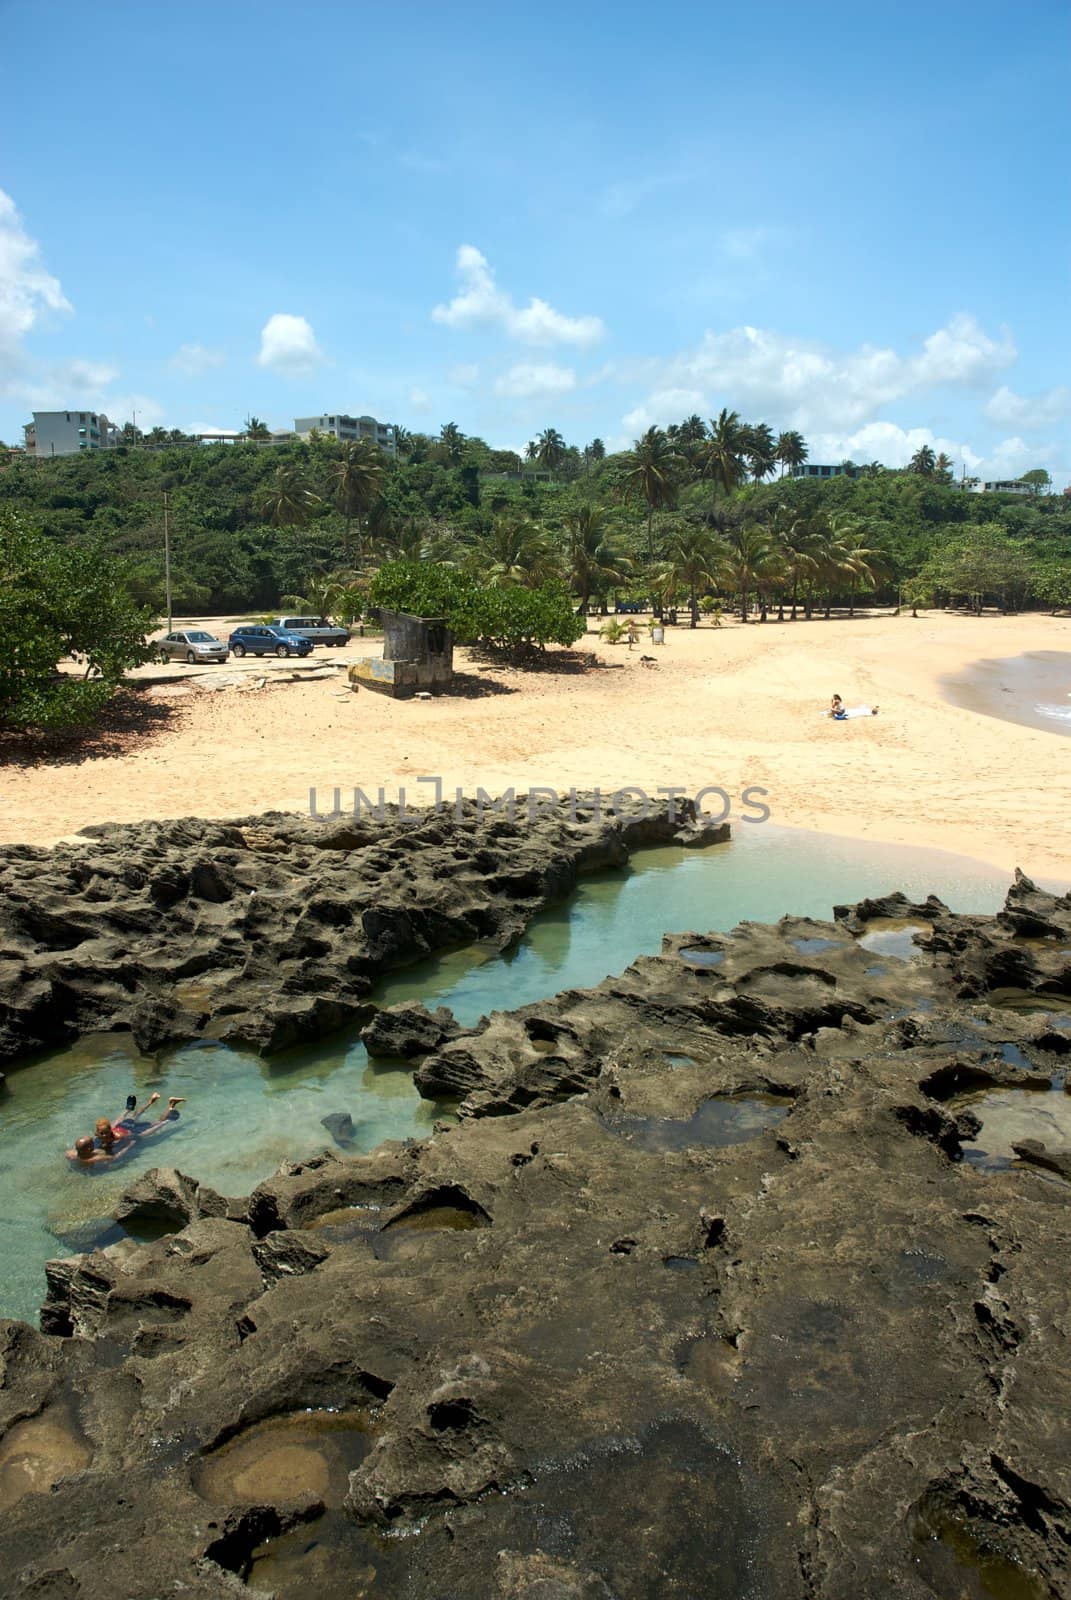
column 504, row 616
column 55, row 601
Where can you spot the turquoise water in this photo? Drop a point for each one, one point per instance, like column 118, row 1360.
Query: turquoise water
column 243, row 1115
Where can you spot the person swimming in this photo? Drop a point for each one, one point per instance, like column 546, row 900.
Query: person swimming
column 112, row 1141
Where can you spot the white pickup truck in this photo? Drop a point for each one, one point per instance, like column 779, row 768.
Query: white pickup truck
column 316, row 629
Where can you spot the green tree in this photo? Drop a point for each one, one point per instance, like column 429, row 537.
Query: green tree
column 595, row 562
column 790, row 450
column 516, row 550
column 58, row 601
column 256, row 430
column 760, row 449
column 752, row 558
column 722, row 455
column 452, row 441
column 550, row 449
column 650, row 468
column 1038, row 479
column 695, row 561
column 923, row 462
column 357, row 476
column 979, row 566
column 286, row 500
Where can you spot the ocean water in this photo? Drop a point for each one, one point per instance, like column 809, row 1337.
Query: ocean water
column 243, row 1116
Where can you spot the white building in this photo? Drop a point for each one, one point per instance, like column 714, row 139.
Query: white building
column 349, row 428
column 1007, row 486
column 65, row 433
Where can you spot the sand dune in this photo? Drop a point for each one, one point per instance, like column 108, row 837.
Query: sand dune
column 735, row 706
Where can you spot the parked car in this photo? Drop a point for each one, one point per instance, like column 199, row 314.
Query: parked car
column 316, row 629
column 192, row 645
column 265, row 641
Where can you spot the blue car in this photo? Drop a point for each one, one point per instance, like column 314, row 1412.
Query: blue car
column 258, row 641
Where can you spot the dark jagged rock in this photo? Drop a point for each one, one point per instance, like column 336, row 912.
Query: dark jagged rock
column 270, row 931
column 410, row 1030
column 168, row 1197
column 698, row 1297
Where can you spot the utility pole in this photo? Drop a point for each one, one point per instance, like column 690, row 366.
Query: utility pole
column 167, row 564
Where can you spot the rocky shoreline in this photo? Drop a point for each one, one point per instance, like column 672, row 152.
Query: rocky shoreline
column 269, row 932
column 700, row 1297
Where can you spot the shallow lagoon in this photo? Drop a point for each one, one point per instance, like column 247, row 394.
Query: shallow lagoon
column 245, row 1115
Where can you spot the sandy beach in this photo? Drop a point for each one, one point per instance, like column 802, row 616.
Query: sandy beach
column 737, row 706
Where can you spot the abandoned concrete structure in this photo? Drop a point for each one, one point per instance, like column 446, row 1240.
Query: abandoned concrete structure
column 418, row 654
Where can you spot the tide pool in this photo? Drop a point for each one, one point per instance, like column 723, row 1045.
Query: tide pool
column 243, row 1116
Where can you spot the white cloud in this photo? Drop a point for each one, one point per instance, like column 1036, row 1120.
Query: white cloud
column 529, row 378
column 890, row 444
column 194, row 359
column 26, row 289
column 664, row 406
column 419, row 400
column 83, row 377
column 288, row 345
column 464, row 376
column 480, row 302
column 1012, row 410
column 801, row 384
column 1013, row 457
column 894, row 446
column 127, row 407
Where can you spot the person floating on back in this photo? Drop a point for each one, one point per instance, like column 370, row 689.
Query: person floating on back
column 114, row 1140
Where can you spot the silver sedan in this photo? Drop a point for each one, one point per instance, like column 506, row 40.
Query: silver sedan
column 193, row 645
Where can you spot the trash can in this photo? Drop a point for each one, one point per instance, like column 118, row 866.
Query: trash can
column 658, row 635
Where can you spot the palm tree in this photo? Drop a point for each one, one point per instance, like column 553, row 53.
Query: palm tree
column 255, row 429
column 721, row 455
column 595, row 563
column 942, row 468
column 846, row 564
column 403, row 440
column 550, row 449
column 453, row 442
column 695, row 560
column 751, row 559
column 650, row 476
column 413, row 541
column 761, row 450
column 286, row 500
column 357, row 476
column 516, row 550
column 923, row 461
column 595, row 451
column 797, row 544
column 790, row 449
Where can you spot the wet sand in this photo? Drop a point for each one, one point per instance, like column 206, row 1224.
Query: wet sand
column 1033, row 690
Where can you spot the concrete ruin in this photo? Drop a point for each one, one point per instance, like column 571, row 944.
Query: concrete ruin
column 418, row 655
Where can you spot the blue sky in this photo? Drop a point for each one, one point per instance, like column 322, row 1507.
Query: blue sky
column 852, row 220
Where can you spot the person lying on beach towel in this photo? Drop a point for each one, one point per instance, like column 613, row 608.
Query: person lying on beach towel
column 114, row 1141
column 841, row 713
